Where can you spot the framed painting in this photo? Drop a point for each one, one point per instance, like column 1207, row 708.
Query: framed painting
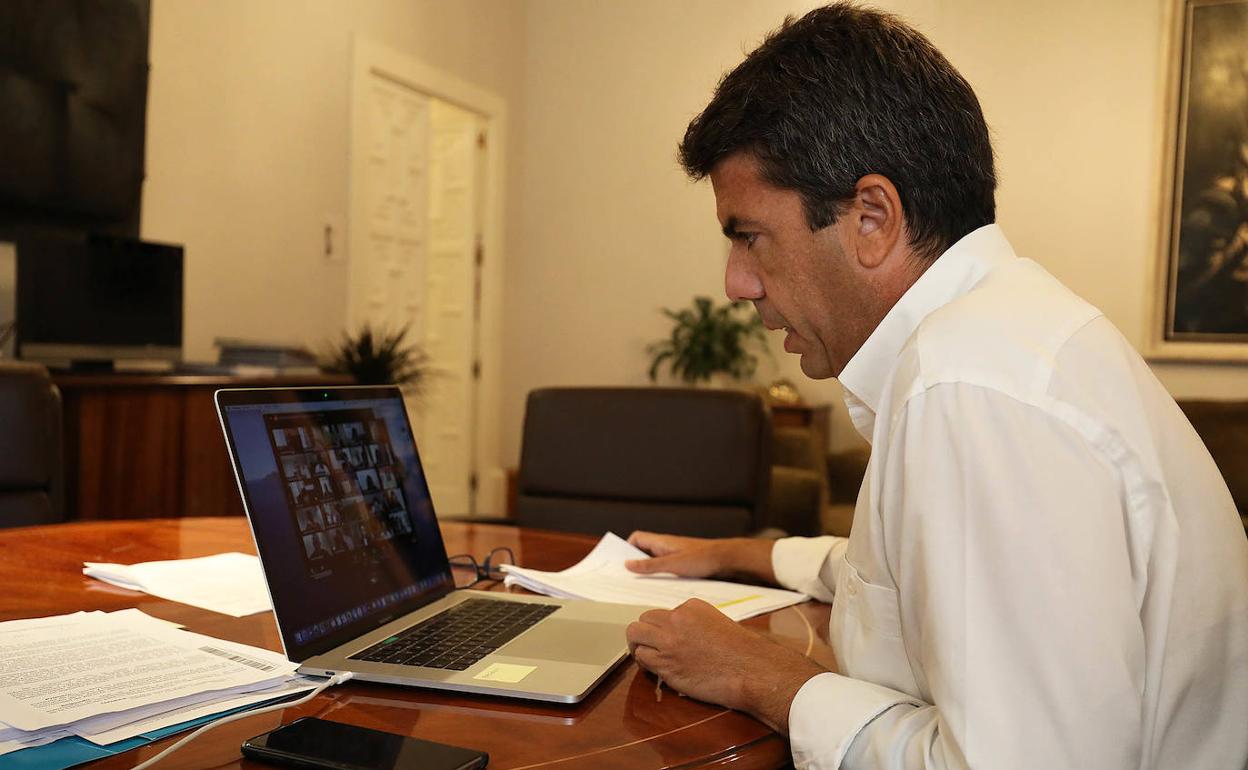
column 1202, row 304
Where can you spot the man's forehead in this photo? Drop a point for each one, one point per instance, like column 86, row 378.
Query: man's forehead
column 742, row 195
column 735, row 180
column 740, row 169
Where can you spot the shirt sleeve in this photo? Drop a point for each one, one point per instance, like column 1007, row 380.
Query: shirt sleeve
column 808, row 564
column 1003, row 530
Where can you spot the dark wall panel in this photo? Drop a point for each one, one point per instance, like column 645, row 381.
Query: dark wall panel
column 73, row 104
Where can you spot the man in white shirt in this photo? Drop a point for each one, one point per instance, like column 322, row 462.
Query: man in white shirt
column 1046, row 569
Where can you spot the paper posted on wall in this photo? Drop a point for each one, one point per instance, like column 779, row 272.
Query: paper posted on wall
column 602, row 576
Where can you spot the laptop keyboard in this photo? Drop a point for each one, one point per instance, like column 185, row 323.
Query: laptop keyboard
column 456, row 638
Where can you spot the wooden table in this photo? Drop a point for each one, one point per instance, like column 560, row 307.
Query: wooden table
column 620, row 725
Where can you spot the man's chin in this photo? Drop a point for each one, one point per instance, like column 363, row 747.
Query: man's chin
column 816, row 367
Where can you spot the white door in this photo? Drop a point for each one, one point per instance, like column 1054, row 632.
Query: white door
column 388, row 273
column 451, row 316
column 417, row 264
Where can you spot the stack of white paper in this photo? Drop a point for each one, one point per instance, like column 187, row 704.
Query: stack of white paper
column 229, row 583
column 602, row 576
column 110, row 676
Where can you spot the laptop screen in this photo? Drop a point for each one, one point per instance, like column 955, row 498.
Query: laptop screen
column 339, row 507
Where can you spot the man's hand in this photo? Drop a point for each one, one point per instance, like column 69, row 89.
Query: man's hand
column 703, row 557
column 700, row 652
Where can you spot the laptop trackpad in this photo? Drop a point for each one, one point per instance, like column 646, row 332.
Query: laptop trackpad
column 573, row 641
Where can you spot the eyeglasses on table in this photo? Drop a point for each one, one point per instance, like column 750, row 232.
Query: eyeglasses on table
column 467, row 571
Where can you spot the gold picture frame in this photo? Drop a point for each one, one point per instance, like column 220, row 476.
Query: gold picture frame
column 1201, row 296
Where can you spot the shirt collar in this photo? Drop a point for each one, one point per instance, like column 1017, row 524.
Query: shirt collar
column 952, row 274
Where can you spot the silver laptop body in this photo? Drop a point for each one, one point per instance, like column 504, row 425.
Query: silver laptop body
column 352, row 553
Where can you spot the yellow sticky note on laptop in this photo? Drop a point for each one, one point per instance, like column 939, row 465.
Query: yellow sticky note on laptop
column 505, row 672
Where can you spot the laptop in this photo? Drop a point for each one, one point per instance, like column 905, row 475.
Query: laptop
column 357, row 570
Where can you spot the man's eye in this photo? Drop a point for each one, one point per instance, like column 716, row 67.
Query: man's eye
column 747, row 238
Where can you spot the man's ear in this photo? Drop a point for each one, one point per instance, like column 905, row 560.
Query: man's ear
column 877, row 221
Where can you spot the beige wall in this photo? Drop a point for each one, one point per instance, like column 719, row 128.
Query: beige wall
column 247, row 155
column 247, row 141
column 610, row 231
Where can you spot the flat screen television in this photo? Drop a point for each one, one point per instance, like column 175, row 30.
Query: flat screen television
column 90, row 301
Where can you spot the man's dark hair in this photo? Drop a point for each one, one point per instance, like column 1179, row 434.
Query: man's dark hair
column 844, row 92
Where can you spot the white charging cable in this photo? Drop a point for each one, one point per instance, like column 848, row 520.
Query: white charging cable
column 322, row 687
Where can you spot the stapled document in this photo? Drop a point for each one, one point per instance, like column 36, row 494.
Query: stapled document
column 89, row 673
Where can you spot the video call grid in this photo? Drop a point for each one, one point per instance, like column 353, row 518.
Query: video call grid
column 341, row 481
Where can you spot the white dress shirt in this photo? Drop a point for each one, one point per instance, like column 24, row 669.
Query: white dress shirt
column 1046, row 569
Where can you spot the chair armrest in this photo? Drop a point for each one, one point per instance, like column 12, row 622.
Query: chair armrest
column 845, row 473
column 793, row 501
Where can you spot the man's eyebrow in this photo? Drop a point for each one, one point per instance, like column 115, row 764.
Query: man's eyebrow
column 733, row 225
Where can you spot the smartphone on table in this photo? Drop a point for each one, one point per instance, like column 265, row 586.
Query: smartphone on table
column 324, row 745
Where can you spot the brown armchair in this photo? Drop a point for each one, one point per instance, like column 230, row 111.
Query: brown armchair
column 845, row 473
column 798, row 485
column 31, row 475
column 678, row 460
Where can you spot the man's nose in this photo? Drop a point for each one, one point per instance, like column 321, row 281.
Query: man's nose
column 740, row 280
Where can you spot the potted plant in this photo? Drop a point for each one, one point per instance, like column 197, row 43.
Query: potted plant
column 379, row 357
column 708, row 340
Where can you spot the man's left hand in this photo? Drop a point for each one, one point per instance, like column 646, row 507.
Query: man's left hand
column 700, row 652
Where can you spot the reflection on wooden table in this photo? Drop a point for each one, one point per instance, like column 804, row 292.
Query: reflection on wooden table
column 620, row 725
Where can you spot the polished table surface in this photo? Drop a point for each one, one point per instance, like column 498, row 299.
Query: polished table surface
column 622, row 724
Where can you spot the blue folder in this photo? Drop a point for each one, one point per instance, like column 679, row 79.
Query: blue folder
column 73, row 750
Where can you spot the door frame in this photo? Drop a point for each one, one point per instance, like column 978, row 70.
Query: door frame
column 371, row 59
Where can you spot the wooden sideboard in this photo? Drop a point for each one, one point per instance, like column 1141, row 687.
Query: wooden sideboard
column 816, row 417
column 144, row 446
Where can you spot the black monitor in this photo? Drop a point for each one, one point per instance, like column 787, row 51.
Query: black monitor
column 94, row 300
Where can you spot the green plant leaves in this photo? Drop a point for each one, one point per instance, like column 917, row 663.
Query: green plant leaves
column 706, row 339
column 379, row 357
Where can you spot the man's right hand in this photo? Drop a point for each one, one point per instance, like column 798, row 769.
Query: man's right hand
column 703, row 557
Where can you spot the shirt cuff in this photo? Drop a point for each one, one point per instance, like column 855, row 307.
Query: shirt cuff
column 827, row 714
column 798, row 563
